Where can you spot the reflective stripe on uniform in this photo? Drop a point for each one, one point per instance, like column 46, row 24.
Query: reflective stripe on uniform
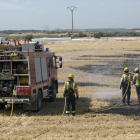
column 122, row 79
column 64, row 87
column 67, row 85
column 124, row 76
column 73, row 87
column 73, row 111
column 67, row 112
column 137, row 80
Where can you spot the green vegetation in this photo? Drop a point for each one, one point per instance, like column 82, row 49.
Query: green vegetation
column 80, row 34
column 28, row 37
column 107, row 34
column 116, row 34
column 97, row 35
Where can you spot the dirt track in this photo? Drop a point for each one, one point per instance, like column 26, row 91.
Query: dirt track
column 97, row 68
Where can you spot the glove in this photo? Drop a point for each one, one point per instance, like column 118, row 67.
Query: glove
column 64, row 95
column 120, row 86
column 77, row 98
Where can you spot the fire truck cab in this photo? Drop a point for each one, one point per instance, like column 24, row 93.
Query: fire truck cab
column 27, row 75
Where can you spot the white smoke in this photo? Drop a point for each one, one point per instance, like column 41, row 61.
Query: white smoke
column 105, row 94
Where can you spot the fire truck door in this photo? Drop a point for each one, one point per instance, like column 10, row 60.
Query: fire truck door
column 44, row 69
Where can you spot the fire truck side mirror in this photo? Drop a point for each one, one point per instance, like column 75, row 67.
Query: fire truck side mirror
column 60, row 58
column 60, row 62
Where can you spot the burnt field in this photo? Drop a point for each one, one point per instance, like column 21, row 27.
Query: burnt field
column 97, row 67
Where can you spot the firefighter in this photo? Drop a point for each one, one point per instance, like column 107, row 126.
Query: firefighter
column 136, row 82
column 124, row 84
column 70, row 89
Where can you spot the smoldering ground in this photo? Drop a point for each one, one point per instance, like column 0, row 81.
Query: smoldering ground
column 101, row 75
column 107, row 95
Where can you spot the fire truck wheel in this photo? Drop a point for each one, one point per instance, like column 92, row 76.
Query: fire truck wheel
column 2, row 106
column 39, row 101
column 53, row 97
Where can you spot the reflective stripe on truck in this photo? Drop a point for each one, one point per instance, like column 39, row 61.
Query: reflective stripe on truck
column 16, row 100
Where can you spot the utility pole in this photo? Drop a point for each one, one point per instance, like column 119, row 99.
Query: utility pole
column 57, row 30
column 47, row 27
column 72, row 9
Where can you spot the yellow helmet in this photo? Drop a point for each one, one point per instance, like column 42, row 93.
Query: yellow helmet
column 71, row 76
column 126, row 69
column 136, row 69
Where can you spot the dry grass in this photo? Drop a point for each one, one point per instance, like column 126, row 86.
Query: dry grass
column 95, row 73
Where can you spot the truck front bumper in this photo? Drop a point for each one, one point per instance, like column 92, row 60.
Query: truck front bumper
column 15, row 100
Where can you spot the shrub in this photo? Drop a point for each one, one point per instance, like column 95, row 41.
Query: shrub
column 81, row 34
column 28, row 37
column 96, row 35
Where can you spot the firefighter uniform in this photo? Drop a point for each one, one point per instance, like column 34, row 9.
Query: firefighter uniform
column 136, row 82
column 124, row 83
column 70, row 90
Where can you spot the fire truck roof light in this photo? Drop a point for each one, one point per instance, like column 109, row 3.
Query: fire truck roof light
column 47, row 49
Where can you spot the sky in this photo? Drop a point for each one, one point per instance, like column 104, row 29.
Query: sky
column 53, row 14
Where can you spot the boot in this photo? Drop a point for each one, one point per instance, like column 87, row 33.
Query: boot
column 73, row 114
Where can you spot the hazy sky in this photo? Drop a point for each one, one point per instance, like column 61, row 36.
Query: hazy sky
column 36, row 14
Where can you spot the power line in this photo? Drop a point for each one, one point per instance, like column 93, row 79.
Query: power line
column 46, row 27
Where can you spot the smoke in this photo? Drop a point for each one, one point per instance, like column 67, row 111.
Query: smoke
column 102, row 95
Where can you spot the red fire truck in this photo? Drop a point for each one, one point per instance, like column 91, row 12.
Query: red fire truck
column 27, row 75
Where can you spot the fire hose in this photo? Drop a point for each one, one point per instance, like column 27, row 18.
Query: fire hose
column 64, row 112
column 85, row 113
column 115, row 104
column 50, row 128
column 10, row 115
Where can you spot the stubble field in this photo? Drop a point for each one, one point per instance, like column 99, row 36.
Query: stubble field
column 97, row 67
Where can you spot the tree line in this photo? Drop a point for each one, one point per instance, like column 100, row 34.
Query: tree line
column 116, row 34
column 75, row 35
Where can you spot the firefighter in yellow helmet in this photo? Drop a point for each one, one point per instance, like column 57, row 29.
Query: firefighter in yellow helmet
column 124, row 83
column 136, row 82
column 70, row 89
